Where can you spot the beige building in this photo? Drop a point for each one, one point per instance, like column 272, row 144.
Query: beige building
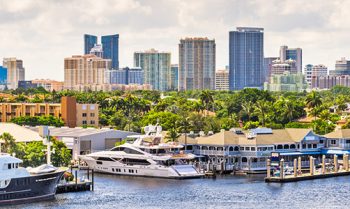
column 196, row 64
column 72, row 113
column 49, row 85
column 15, row 72
column 222, row 80
column 85, row 70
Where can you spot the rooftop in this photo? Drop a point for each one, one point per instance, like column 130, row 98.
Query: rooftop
column 20, row 133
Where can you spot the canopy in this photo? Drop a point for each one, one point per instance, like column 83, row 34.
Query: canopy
column 335, row 152
column 298, row 153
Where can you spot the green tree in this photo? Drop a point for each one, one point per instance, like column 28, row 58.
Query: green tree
column 313, row 100
column 207, row 99
column 172, row 135
column 9, row 143
column 261, row 110
column 62, row 156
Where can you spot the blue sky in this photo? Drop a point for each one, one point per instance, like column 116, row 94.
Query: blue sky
column 44, row 32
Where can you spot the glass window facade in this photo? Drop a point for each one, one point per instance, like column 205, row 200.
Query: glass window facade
column 89, row 43
column 110, row 47
column 3, row 75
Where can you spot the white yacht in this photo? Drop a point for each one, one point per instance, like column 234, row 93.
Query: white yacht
column 21, row 185
column 144, row 155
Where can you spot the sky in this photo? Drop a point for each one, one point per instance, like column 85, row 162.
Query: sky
column 43, row 32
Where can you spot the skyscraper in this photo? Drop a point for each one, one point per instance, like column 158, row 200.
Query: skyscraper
column 246, row 57
column 196, row 64
column 156, row 68
column 125, row 76
column 221, row 80
column 294, row 54
column 174, row 77
column 15, row 71
column 83, row 72
column 342, row 67
column 3, row 75
column 110, row 46
column 268, row 67
column 97, row 50
column 308, row 73
column 89, row 43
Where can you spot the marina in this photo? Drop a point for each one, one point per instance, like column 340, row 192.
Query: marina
column 227, row 191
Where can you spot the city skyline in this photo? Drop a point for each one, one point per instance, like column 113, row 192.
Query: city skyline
column 32, row 27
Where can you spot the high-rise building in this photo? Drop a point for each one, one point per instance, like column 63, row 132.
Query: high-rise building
column 89, row 43
column 49, row 85
column 15, row 71
column 328, row 81
column 246, row 57
column 294, row 54
column 125, row 76
column 84, row 71
column 286, row 82
column 319, row 70
column 308, row 73
column 156, row 68
column 342, row 67
column 3, row 75
column 97, row 50
column 222, row 80
column 196, row 64
column 279, row 67
column 174, row 77
column 268, row 66
column 110, row 46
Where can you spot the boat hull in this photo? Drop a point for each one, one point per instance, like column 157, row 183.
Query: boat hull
column 30, row 189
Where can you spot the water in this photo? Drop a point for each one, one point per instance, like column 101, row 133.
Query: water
column 223, row 192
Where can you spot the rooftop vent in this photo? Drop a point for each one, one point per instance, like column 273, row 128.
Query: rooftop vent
column 237, row 131
column 261, row 131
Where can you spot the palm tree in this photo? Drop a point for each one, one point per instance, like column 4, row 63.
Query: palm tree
column 9, row 142
column 248, row 109
column 289, row 107
column 261, row 110
column 206, row 97
column 172, row 135
column 313, row 100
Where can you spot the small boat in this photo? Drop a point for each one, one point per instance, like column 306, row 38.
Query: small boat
column 20, row 185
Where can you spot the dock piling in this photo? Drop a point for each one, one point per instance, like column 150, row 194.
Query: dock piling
column 336, row 163
column 346, row 162
column 268, row 168
column 295, row 167
column 323, row 164
column 311, row 166
column 299, row 164
column 282, row 168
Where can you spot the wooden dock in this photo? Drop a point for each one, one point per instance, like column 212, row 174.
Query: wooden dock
column 77, row 185
column 303, row 177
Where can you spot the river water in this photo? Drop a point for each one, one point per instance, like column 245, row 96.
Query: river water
column 223, row 192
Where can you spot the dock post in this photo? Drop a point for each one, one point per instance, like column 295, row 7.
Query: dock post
column 323, row 164
column 88, row 173
column 93, row 181
column 295, row 168
column 311, row 166
column 346, row 162
column 76, row 178
column 282, row 168
column 336, row 163
column 299, row 164
column 268, row 168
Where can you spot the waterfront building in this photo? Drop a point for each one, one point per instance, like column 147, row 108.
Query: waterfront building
column 72, row 113
column 196, row 64
column 281, row 66
column 26, row 85
column 174, row 77
column 110, row 45
column 342, row 67
column 3, row 75
column 125, row 76
column 308, row 73
column 97, row 50
column 246, row 57
column 49, row 85
column 84, row 70
column 268, row 61
column 15, row 71
column 222, row 80
column 156, row 68
column 89, row 43
column 286, row 82
column 295, row 54
column 327, row 82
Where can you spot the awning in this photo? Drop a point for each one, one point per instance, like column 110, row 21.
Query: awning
column 298, row 153
column 335, row 152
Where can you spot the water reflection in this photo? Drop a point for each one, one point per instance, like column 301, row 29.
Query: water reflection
column 223, row 192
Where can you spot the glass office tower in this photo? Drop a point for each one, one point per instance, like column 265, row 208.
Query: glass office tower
column 110, row 46
column 89, row 43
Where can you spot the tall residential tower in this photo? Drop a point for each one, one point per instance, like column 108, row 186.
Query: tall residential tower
column 156, row 68
column 196, row 64
column 15, row 72
column 246, row 58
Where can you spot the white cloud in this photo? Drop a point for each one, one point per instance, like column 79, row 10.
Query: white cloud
column 43, row 32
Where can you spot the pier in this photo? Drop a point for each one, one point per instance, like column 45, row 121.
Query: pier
column 77, row 185
column 326, row 170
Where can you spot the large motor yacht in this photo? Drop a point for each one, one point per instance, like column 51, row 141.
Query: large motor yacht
column 145, row 155
column 21, row 185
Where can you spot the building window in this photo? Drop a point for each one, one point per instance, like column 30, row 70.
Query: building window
column 84, row 107
column 92, row 107
column 92, row 114
column 314, row 146
column 247, row 148
column 84, row 115
column 92, row 122
column 333, row 142
column 347, row 141
column 241, row 148
column 84, row 122
column 321, row 141
column 252, row 148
